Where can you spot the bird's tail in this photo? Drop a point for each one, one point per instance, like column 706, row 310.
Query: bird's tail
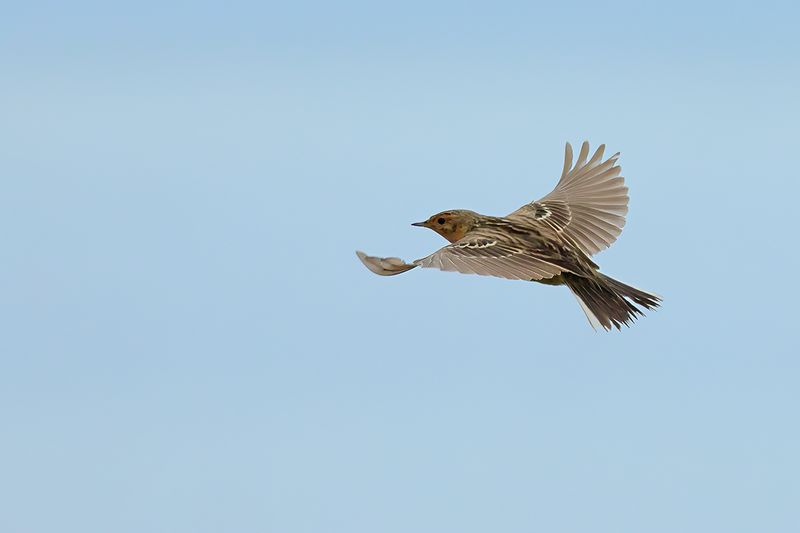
column 607, row 302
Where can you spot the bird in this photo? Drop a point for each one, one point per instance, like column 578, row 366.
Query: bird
column 549, row 241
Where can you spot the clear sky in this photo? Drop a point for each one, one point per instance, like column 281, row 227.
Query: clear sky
column 189, row 344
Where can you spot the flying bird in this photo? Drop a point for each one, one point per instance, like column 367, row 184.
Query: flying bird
column 550, row 241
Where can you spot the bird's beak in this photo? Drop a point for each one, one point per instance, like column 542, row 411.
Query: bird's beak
column 420, row 224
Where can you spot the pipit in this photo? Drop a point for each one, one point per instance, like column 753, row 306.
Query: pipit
column 549, row 241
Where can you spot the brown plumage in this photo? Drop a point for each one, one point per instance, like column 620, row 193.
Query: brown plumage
column 549, row 241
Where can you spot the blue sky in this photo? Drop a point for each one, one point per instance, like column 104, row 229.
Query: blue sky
column 190, row 344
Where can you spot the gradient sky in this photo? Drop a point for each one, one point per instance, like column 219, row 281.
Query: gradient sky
column 189, row 344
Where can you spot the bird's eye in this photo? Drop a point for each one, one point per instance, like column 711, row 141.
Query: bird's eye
column 441, row 220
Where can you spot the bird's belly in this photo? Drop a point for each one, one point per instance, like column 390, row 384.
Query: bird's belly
column 555, row 280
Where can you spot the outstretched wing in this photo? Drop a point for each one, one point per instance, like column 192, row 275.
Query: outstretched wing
column 589, row 204
column 477, row 253
column 492, row 255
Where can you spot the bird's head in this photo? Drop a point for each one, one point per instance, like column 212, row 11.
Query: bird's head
column 452, row 225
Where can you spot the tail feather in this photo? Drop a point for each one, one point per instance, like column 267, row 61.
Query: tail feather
column 609, row 303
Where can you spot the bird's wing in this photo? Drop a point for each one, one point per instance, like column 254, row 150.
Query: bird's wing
column 489, row 254
column 589, row 204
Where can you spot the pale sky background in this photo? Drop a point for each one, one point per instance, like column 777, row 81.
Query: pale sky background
column 189, row 344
